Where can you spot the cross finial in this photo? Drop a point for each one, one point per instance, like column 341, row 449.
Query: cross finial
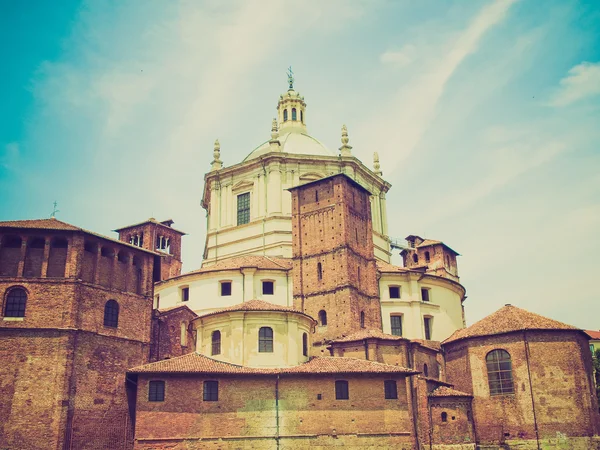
column 290, row 75
column 54, row 211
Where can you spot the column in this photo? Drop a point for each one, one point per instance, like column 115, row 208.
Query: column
column 382, row 205
column 21, row 265
column 274, row 189
column 46, row 257
column 249, row 291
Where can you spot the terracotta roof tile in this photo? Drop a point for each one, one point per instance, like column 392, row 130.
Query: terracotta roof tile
column 508, row 319
column 55, row 224
column 173, row 308
column 367, row 334
column 593, row 334
column 444, row 391
column 433, row 345
column 255, row 305
column 165, row 223
column 260, row 262
column 197, row 363
column 388, row 268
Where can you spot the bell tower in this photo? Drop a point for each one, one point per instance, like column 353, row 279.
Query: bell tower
column 335, row 278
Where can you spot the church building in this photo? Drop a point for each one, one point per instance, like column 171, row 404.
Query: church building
column 297, row 332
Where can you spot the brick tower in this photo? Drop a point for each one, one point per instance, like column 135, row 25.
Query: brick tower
column 159, row 237
column 335, row 279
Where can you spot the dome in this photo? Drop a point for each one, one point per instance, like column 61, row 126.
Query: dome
column 296, row 144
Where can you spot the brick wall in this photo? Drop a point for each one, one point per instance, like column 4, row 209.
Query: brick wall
column 167, row 333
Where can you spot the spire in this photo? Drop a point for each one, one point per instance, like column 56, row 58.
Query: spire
column 376, row 165
column 274, row 142
column 217, row 163
column 345, row 148
column 290, row 76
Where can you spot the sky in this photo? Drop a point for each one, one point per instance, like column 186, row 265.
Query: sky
column 485, row 115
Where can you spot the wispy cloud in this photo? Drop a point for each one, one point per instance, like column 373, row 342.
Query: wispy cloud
column 10, row 156
column 399, row 58
column 582, row 81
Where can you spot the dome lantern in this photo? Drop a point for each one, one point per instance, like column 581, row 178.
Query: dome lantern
column 291, row 109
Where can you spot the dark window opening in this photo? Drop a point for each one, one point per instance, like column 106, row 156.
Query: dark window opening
column 319, row 271
column 11, row 242
column 265, row 340
column 391, row 389
column 444, row 417
column 427, row 325
column 216, row 342
column 268, row 287
column 425, row 294
column 156, row 391
column 301, row 117
column 341, row 390
column 305, row 344
column 322, row 318
column 499, row 368
column 62, row 243
column 285, row 115
column 106, row 252
column 16, row 301
column 396, row 322
column 185, row 294
column 427, row 257
column 111, row 314
column 89, row 247
column 243, row 208
column 294, row 116
column 316, row 196
column 362, row 319
column 211, row 391
column 425, row 370
column 225, row 288
column 415, row 258
column 319, row 396
column 122, row 257
column 394, row 291
column 37, row 243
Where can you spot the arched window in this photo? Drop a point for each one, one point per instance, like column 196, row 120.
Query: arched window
column 216, row 343
column 285, row 115
column 265, row 340
column 304, row 344
column 444, row 417
column 362, row 319
column 322, row 318
column 425, row 370
column 16, row 300
column 499, row 368
column 427, row 257
column 415, row 258
column 294, row 117
column 111, row 314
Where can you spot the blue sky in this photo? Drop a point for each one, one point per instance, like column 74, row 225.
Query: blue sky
column 485, row 114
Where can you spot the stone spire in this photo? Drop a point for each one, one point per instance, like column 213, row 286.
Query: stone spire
column 217, row 163
column 376, row 165
column 274, row 142
column 345, row 148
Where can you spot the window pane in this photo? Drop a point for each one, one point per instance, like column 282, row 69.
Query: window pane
column 499, row 369
column 156, row 391
column 15, row 303
column 226, row 288
column 394, row 291
column 391, row 389
column 243, row 208
column 265, row 340
column 211, row 391
column 396, row 322
column 267, row 287
column 341, row 390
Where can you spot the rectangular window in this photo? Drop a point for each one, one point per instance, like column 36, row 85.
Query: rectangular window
column 592, row 348
column 427, row 325
column 268, row 287
column 185, row 294
column 391, row 389
column 425, row 294
column 225, row 288
column 341, row 390
column 396, row 322
column 156, row 391
column 394, row 291
column 243, row 208
column 211, row 391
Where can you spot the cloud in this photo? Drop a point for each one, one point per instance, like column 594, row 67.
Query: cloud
column 400, row 58
column 582, row 81
column 10, row 156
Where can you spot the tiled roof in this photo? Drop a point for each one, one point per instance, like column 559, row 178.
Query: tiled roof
column 197, row 363
column 508, row 319
column 255, row 305
column 55, row 224
column 44, row 224
column 165, row 223
column 176, row 307
column 444, row 391
column 367, row 334
column 593, row 334
column 387, row 267
column 259, row 262
column 433, row 345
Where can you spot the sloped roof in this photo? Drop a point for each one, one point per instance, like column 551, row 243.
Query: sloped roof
column 444, row 391
column 174, row 308
column 260, row 262
column 369, row 334
column 255, row 305
column 433, row 345
column 593, row 334
column 506, row 320
column 59, row 225
column 197, row 363
column 387, row 267
column 165, row 223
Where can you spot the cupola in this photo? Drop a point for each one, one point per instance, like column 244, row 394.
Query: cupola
column 291, row 109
